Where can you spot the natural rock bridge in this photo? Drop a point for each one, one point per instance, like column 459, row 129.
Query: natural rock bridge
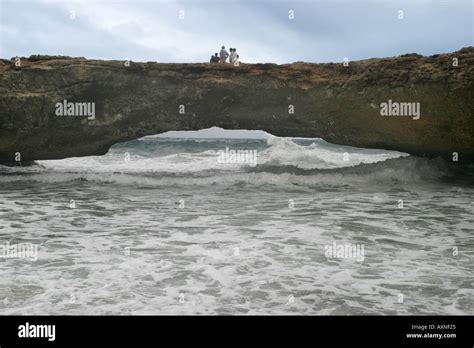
column 338, row 103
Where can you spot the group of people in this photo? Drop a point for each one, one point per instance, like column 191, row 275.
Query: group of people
column 223, row 55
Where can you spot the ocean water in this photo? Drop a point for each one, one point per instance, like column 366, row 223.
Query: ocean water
column 169, row 226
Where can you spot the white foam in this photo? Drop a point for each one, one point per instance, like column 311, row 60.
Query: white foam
column 321, row 155
column 281, row 151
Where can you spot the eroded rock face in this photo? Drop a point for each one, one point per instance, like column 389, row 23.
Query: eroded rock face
column 338, row 103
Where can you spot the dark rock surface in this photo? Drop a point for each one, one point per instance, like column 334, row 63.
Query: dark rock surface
column 337, row 103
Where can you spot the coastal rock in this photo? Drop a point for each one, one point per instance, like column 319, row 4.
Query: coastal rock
column 338, row 103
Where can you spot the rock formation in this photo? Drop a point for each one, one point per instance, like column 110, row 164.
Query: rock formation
column 341, row 104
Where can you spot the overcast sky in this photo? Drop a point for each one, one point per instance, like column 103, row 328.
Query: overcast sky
column 216, row 132
column 262, row 31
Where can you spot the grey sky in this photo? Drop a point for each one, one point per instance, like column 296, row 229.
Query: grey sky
column 321, row 31
column 216, row 132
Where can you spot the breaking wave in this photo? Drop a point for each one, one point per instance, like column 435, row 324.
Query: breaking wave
column 280, row 161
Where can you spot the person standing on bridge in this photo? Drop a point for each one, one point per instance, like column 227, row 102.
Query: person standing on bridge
column 233, row 55
column 223, row 54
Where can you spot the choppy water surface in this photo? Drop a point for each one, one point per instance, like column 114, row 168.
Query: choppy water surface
column 173, row 231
